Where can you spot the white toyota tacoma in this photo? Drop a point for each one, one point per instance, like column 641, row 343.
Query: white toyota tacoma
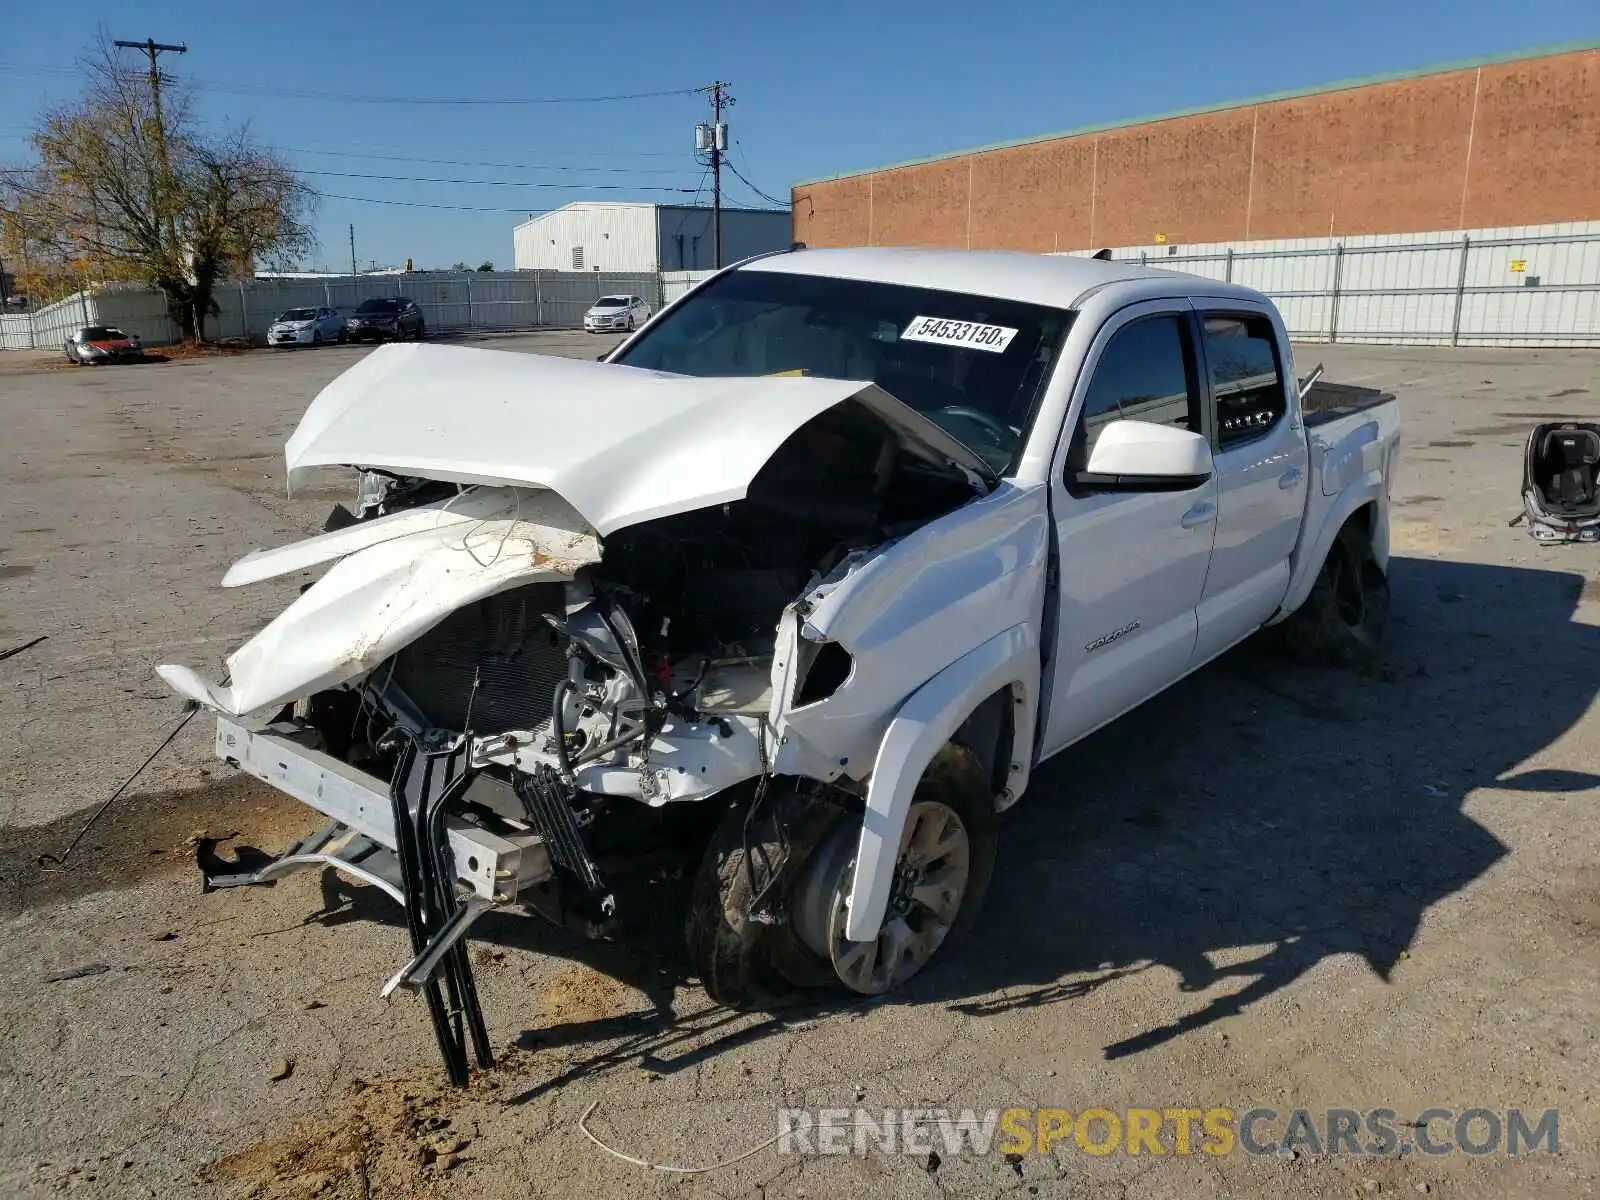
column 802, row 582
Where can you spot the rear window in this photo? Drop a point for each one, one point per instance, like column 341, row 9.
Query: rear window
column 974, row 365
column 379, row 306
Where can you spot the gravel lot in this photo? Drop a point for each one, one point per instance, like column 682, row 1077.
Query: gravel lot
column 1270, row 887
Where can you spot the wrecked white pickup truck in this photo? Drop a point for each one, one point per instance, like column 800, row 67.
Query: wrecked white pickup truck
column 803, row 581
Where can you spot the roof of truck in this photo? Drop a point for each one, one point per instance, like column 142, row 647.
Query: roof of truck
column 1058, row 280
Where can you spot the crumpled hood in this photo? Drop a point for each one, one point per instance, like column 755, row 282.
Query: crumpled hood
column 619, row 444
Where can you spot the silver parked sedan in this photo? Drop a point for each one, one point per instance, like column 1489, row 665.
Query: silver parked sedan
column 306, row 327
column 616, row 312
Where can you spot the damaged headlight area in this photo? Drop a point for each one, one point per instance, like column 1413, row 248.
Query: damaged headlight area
column 496, row 706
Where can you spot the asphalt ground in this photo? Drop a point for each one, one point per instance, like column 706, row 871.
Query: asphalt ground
column 1269, row 887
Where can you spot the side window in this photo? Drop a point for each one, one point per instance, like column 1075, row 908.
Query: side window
column 1146, row 373
column 1242, row 358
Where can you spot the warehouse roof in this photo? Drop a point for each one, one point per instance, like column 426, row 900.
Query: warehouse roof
column 1317, row 90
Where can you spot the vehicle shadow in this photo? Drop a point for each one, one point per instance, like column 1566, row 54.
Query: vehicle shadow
column 1295, row 814
column 1290, row 814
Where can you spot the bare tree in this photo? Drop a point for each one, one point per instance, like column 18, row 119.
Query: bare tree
column 118, row 193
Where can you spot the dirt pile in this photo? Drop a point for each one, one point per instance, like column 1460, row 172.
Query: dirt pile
column 397, row 1138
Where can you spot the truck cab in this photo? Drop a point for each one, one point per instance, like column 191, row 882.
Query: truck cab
column 841, row 542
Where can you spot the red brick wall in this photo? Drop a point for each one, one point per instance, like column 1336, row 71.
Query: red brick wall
column 1536, row 148
column 1512, row 144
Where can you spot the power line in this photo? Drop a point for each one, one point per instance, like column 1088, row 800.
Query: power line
column 503, row 166
column 585, row 153
column 420, row 204
column 254, row 89
column 769, row 199
column 751, row 186
column 519, row 183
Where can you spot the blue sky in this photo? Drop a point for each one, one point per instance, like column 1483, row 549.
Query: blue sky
column 821, row 88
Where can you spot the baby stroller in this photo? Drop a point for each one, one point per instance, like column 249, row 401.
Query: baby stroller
column 1560, row 500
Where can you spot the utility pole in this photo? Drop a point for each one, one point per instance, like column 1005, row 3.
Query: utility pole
column 353, row 270
column 714, row 137
column 152, row 50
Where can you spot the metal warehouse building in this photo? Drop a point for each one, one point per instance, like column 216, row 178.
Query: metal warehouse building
column 596, row 236
column 1498, row 142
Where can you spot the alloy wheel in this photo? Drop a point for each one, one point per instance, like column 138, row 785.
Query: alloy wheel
column 931, row 875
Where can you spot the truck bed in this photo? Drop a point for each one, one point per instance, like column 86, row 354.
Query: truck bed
column 1330, row 401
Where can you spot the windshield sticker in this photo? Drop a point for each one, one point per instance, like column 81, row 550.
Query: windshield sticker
column 971, row 334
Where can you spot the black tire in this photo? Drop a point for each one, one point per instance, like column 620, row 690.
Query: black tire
column 316, row 337
column 344, row 336
column 955, row 779
column 736, row 958
column 745, row 964
column 1343, row 620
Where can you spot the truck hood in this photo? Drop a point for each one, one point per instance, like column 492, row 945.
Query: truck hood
column 619, row 444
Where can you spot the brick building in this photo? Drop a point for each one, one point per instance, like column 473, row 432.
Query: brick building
column 1505, row 141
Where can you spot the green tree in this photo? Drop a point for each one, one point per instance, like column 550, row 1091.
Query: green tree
column 486, row 265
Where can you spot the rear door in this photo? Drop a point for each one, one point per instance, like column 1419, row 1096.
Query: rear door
column 1259, row 449
column 1132, row 564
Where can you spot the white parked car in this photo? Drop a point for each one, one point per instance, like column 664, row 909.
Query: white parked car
column 616, row 312
column 826, row 561
column 306, row 327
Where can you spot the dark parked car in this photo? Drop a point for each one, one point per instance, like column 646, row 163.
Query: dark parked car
column 102, row 344
column 379, row 319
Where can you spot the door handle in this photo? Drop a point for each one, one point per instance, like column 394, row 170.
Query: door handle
column 1289, row 478
column 1199, row 515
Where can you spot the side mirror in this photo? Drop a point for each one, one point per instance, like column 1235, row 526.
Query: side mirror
column 1138, row 456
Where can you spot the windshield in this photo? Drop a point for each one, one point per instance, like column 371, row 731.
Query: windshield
column 974, row 365
column 612, row 302
column 379, row 306
column 101, row 333
column 299, row 314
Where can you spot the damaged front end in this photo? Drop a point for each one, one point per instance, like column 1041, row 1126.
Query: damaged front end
column 519, row 648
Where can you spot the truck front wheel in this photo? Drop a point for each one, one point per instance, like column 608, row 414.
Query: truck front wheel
column 1342, row 622
column 797, row 940
column 941, row 873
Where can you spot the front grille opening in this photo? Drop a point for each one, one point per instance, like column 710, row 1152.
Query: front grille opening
column 503, row 641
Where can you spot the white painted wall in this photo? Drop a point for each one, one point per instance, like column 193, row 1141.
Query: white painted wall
column 614, row 237
column 1442, row 288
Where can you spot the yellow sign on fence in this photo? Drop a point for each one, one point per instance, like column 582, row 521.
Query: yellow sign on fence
column 1519, row 265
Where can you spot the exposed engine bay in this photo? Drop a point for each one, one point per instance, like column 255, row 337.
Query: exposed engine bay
column 675, row 627
column 504, row 691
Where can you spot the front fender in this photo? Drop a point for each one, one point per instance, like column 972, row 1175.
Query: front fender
column 923, row 724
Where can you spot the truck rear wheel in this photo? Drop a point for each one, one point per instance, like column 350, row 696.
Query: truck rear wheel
column 1342, row 622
